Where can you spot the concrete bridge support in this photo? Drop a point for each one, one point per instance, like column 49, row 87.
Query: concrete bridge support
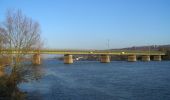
column 36, row 59
column 68, row 59
column 132, row 58
column 157, row 58
column 104, row 58
column 145, row 58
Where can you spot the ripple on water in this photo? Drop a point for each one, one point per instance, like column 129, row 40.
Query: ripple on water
column 85, row 80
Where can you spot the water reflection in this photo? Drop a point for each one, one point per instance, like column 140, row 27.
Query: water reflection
column 10, row 77
column 95, row 81
column 87, row 81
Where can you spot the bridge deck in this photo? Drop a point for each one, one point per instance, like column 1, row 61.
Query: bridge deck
column 84, row 52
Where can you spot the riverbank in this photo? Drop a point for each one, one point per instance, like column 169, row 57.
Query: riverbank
column 112, row 57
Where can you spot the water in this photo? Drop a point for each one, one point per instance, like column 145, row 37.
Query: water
column 91, row 80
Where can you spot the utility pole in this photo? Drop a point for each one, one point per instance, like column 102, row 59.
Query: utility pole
column 108, row 43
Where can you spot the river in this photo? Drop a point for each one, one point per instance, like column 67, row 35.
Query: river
column 92, row 80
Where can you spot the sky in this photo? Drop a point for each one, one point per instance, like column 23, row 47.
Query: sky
column 97, row 24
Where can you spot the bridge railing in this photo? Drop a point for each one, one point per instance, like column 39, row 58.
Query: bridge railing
column 111, row 52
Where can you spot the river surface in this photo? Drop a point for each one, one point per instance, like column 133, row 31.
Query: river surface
column 92, row 80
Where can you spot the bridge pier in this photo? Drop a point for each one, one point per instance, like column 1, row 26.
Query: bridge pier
column 145, row 58
column 132, row 58
column 104, row 58
column 157, row 58
column 68, row 59
column 36, row 59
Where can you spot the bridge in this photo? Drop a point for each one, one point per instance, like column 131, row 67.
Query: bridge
column 104, row 54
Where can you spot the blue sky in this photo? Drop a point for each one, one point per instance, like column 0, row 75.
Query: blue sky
column 89, row 24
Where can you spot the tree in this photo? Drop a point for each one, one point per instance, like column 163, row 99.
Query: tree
column 2, row 38
column 21, row 33
column 2, row 42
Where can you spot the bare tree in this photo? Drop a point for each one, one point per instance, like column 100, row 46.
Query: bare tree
column 21, row 32
column 2, row 38
column 3, row 59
